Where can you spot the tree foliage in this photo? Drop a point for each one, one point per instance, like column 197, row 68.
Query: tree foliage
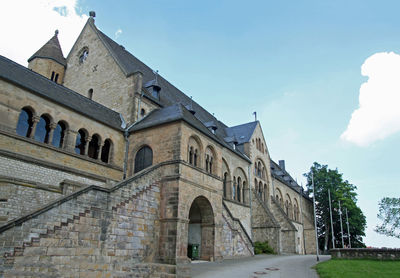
column 344, row 191
column 389, row 213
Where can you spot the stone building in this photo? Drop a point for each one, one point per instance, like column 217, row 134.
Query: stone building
column 108, row 170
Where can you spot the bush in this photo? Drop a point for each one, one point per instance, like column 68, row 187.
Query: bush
column 262, row 248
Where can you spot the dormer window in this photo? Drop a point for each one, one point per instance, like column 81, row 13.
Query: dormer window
column 156, row 92
column 84, row 55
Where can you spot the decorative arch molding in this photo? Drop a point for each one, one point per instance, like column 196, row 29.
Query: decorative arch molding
column 194, row 151
column 210, row 159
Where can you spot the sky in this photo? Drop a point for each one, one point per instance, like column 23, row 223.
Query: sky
column 323, row 76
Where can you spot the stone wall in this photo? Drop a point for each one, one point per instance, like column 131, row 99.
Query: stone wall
column 241, row 212
column 366, row 253
column 102, row 74
column 264, row 225
column 234, row 242
column 91, row 233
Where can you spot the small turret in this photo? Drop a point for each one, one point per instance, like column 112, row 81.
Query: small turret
column 49, row 60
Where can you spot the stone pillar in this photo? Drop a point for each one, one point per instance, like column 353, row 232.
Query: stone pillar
column 51, row 133
column 70, row 140
column 35, row 120
column 101, row 145
column 87, row 141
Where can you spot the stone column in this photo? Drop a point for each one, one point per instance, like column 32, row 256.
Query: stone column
column 51, row 133
column 69, row 140
column 87, row 141
column 35, row 120
column 101, row 145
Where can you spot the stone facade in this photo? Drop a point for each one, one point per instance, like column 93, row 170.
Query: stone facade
column 131, row 193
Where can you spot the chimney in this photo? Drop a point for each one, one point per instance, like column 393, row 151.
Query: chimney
column 282, row 164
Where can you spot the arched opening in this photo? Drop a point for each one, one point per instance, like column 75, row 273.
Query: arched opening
column 201, row 230
column 239, row 189
column 90, row 94
column 224, row 183
column 143, row 158
column 25, row 122
column 59, row 135
column 234, row 188
column 265, row 192
column 80, row 142
column 245, row 190
column 106, row 151
column 94, row 147
column 43, row 129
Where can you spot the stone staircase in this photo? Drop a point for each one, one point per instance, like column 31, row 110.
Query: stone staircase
column 244, row 243
column 93, row 232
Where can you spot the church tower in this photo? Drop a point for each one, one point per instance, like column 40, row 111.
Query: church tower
column 49, row 60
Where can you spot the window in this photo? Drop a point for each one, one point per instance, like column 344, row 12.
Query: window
column 59, row 135
column 25, row 122
column 43, row 129
column 224, row 183
column 80, row 142
column 239, row 190
column 84, row 55
column 94, row 147
column 234, row 189
column 52, row 76
column 244, row 190
column 195, row 157
column 143, row 159
column 106, row 151
column 90, row 94
column 155, row 93
column 142, row 112
column 56, row 79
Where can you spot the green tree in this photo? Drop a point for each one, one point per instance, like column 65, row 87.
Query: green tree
column 342, row 190
column 389, row 213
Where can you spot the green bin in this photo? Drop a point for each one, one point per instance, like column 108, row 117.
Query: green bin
column 193, row 251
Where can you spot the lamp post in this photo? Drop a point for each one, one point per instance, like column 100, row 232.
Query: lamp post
column 315, row 216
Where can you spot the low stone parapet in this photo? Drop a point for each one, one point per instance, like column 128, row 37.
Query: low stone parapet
column 366, row 253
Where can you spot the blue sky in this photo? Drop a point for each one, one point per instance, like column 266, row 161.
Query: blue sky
column 297, row 63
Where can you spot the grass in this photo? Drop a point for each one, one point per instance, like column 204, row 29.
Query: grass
column 342, row 268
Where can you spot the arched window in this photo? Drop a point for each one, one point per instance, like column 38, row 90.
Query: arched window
column 207, row 162
column 191, row 155
column 195, row 156
column 255, row 168
column 90, row 94
column 259, row 170
column 43, row 129
column 80, row 142
column 94, row 147
column 260, row 190
column 239, row 189
column 244, row 189
column 52, row 76
column 234, row 189
column 56, row 79
column 59, row 135
column 142, row 112
column 106, row 151
column 224, row 183
column 84, row 55
column 25, row 122
column 143, row 158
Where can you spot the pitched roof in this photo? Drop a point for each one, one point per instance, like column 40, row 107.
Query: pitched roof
column 169, row 94
column 242, row 132
column 51, row 50
column 44, row 87
column 177, row 112
column 278, row 173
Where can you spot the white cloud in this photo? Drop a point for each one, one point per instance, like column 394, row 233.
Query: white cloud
column 379, row 113
column 27, row 25
column 118, row 33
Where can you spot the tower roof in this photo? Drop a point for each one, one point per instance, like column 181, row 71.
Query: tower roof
column 51, row 50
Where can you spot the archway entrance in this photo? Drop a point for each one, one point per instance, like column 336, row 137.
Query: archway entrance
column 201, row 230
